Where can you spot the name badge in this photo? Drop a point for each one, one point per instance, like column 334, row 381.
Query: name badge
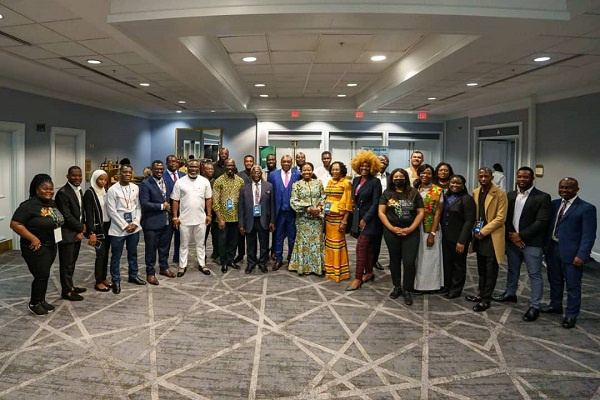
column 327, row 207
column 229, row 204
column 57, row 235
column 478, row 227
column 127, row 217
column 257, row 210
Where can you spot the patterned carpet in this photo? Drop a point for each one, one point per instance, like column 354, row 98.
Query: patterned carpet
column 282, row 336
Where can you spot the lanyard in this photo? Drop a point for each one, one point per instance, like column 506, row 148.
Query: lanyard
column 128, row 199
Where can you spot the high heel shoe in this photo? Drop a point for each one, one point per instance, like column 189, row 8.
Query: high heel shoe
column 350, row 288
column 371, row 279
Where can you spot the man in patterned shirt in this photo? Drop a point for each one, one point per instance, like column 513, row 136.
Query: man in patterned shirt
column 226, row 193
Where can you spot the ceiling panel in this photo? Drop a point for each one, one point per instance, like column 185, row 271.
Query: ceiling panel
column 60, row 64
column 75, row 71
column 329, row 68
column 127, row 58
column 334, row 53
column 245, row 44
column 40, row 10
column 254, row 69
column 290, row 84
column 258, row 78
column 12, row 18
column 76, row 29
column 67, row 49
column 31, row 52
column 291, row 68
column 577, row 46
column 397, row 41
column 34, row 34
column 290, row 78
column 368, row 68
column 325, row 77
column 358, row 77
column 293, row 42
column 144, row 68
column 105, row 46
column 292, row 57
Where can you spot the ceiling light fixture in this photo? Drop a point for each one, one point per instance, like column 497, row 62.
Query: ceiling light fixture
column 352, row 84
column 181, row 101
column 378, row 58
column 259, row 85
column 212, row 110
column 375, row 112
column 431, row 98
column 541, row 59
column 472, row 84
column 392, row 112
column 249, row 59
column 144, row 84
column 178, row 111
column 341, row 95
column 94, row 62
column 264, row 95
column 1, row 16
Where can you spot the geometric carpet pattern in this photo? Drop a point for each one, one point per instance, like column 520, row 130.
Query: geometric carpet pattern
column 284, row 336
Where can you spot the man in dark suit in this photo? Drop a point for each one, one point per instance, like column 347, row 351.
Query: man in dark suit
column 285, row 225
column 155, row 193
column 171, row 176
column 256, row 217
column 528, row 215
column 69, row 202
column 572, row 233
column 245, row 175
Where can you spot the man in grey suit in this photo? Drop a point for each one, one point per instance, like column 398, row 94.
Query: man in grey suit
column 256, row 217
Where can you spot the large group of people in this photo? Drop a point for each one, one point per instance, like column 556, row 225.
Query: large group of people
column 426, row 216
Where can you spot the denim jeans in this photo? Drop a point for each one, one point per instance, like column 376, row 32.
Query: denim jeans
column 532, row 256
column 116, row 244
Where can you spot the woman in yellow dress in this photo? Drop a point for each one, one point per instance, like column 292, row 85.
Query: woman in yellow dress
column 338, row 205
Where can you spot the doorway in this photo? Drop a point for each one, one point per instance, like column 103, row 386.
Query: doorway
column 67, row 148
column 498, row 144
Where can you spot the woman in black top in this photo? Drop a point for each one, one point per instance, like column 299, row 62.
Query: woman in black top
column 401, row 210
column 36, row 220
column 458, row 220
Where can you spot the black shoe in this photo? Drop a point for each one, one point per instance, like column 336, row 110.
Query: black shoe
column 505, row 298
column 408, row 298
column 181, row 272
column 417, row 292
column 204, row 270
column 37, row 309
column 378, row 266
column 531, row 315
column 137, row 281
column 396, row 292
column 569, row 322
column 233, row 265
column 443, row 291
column 224, row 269
column 249, row 269
column 72, row 296
column 49, row 307
column 551, row 310
column 351, row 289
column 481, row 306
column 263, row 268
column 474, row 299
column 238, row 259
column 79, row 289
column 116, row 288
column 451, row 295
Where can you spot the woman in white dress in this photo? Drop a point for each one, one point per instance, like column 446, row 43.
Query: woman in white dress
column 430, row 273
column 498, row 177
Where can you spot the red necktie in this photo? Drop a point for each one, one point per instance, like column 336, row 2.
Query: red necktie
column 287, row 179
column 174, row 176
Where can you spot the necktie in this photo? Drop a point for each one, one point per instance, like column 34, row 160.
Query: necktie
column 287, row 179
column 174, row 176
column 80, row 204
column 256, row 195
column 561, row 213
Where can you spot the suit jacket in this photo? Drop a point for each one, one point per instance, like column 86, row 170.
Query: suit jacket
column 246, row 206
column 68, row 204
column 168, row 178
column 92, row 214
column 495, row 206
column 151, row 200
column 576, row 230
column 536, row 214
column 283, row 194
column 460, row 220
column 366, row 204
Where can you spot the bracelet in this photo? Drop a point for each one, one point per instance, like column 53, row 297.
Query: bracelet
column 175, row 219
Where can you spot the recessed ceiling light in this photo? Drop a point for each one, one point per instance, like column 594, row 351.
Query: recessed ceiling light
column 378, row 58
column 144, row 84
column 1, row 16
column 352, row 84
column 260, row 85
column 375, row 112
column 541, row 59
column 249, row 59
column 264, row 95
column 431, row 98
column 181, row 101
column 341, row 95
column 472, row 84
column 212, row 110
column 178, row 111
column 392, row 112
column 95, row 62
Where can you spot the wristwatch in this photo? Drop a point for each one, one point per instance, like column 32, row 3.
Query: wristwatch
column 433, row 233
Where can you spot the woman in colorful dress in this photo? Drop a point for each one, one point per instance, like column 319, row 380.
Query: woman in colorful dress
column 307, row 200
column 430, row 274
column 338, row 206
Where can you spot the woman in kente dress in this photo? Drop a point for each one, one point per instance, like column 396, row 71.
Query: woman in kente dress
column 338, row 205
column 307, row 200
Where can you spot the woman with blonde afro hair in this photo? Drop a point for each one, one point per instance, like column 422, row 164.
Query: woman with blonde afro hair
column 366, row 156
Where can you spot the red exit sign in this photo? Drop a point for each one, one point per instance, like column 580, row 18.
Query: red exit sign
column 422, row 115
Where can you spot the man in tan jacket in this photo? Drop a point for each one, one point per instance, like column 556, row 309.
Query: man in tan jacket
column 488, row 236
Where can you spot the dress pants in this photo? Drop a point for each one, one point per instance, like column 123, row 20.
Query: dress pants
column 455, row 267
column 376, row 246
column 67, row 257
column 364, row 255
column 131, row 242
column 532, row 256
column 487, row 267
column 214, row 233
column 228, row 242
column 157, row 241
column 559, row 274
column 241, row 247
column 263, row 242
column 101, row 262
column 285, row 228
column 39, row 263
column 403, row 250
column 189, row 233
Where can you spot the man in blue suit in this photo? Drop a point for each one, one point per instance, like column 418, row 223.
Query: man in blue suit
column 172, row 175
column 155, row 192
column 571, row 237
column 285, row 226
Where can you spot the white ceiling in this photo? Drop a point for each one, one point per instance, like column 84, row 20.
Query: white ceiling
column 306, row 53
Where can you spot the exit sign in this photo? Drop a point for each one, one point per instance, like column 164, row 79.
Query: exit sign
column 422, row 115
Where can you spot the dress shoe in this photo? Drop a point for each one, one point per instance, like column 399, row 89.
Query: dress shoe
column 37, row 309
column 481, row 306
column 72, row 296
column 233, row 265
column 224, row 269
column 181, row 272
column 408, row 298
column 569, row 322
column 277, row 265
column 378, row 266
column 49, row 307
column 551, row 310
column 531, row 315
column 104, row 289
column 249, row 269
column 443, row 291
column 79, row 289
column 263, row 268
column 238, row 259
column 204, row 270
column 396, row 292
column 352, row 288
column 369, row 279
column 417, row 292
column 474, row 299
column 137, row 281
column 152, row 280
column 116, row 288
column 107, row 284
column 505, row 298
column 167, row 273
column 451, row 295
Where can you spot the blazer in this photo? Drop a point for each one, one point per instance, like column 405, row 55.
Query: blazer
column 576, row 230
column 366, row 205
column 68, row 204
column 535, row 217
column 168, row 178
column 460, row 218
column 246, row 206
column 151, row 200
column 495, row 207
column 283, row 194
column 92, row 211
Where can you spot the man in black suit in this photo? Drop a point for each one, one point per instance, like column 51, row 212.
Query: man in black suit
column 155, row 193
column 69, row 202
column 256, row 217
column 528, row 215
column 172, row 175
column 245, row 175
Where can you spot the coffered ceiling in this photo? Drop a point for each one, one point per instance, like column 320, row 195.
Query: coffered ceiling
column 309, row 56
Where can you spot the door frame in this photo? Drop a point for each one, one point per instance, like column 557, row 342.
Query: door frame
column 18, row 195
column 79, row 146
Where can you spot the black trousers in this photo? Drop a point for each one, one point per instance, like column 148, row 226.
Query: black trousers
column 101, row 262
column 403, row 250
column 228, row 241
column 176, row 243
column 157, row 241
column 39, row 263
column 263, row 241
column 455, row 267
column 487, row 267
column 241, row 247
column 376, row 241
column 67, row 257
column 214, row 233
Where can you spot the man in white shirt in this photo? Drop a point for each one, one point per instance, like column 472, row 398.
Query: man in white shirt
column 123, row 203
column 192, row 199
column 322, row 172
column 416, row 159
